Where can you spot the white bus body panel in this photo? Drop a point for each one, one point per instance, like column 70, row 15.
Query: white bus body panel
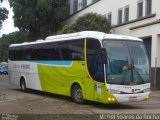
column 28, row 70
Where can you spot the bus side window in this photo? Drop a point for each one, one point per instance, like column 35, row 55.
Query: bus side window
column 77, row 50
column 26, row 53
column 47, row 51
column 94, row 60
column 72, row 50
column 11, row 54
column 15, row 54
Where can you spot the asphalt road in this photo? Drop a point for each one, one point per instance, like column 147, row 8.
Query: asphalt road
column 35, row 104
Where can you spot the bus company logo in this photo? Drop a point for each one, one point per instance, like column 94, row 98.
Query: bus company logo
column 134, row 90
column 124, row 87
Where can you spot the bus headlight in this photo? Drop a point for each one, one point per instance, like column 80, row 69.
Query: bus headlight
column 111, row 99
column 114, row 91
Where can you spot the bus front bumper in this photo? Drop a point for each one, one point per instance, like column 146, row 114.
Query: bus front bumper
column 122, row 98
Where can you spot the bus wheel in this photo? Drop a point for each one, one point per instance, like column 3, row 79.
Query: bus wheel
column 77, row 95
column 23, row 85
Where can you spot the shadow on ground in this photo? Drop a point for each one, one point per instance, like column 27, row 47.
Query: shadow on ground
column 90, row 103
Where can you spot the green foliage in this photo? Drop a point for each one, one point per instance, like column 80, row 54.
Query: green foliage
column 88, row 22
column 3, row 14
column 35, row 19
column 39, row 17
column 6, row 40
column 66, row 29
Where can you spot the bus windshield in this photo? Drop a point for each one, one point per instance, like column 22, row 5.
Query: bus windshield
column 127, row 62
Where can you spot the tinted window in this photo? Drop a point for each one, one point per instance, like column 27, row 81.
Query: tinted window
column 66, row 50
column 94, row 60
column 127, row 62
column 15, row 53
column 11, row 54
column 47, row 51
column 72, row 50
column 27, row 50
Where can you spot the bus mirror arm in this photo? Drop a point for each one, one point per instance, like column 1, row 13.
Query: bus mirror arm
column 104, row 56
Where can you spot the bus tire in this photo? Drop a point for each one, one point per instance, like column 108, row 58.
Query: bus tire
column 23, row 85
column 76, row 94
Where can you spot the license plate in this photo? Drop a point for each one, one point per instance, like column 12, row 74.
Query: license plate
column 132, row 99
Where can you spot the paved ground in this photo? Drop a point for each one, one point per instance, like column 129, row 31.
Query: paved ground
column 14, row 102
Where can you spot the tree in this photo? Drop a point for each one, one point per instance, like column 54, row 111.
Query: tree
column 89, row 21
column 67, row 29
column 3, row 14
column 6, row 40
column 39, row 17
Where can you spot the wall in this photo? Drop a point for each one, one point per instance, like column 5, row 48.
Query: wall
column 106, row 6
column 79, row 6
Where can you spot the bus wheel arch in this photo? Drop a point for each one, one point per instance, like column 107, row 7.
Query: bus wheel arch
column 23, row 84
column 77, row 93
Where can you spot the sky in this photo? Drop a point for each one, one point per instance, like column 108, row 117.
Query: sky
column 8, row 25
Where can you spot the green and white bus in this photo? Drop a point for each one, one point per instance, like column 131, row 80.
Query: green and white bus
column 86, row 65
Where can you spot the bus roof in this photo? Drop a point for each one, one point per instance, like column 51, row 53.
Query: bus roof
column 84, row 34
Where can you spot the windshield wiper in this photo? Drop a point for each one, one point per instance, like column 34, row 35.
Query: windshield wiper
column 133, row 68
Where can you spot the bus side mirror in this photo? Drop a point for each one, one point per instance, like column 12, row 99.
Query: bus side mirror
column 104, row 56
